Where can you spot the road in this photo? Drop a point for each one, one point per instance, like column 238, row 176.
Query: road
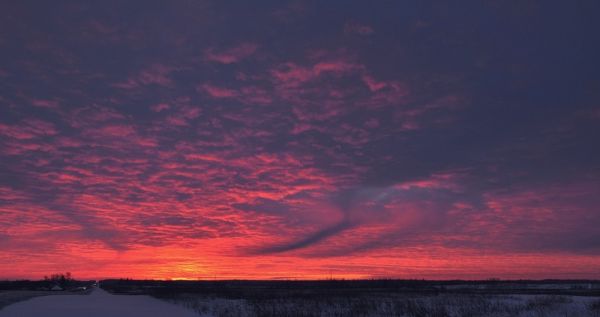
column 98, row 304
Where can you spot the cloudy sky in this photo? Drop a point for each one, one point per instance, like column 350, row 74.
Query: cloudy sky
column 302, row 139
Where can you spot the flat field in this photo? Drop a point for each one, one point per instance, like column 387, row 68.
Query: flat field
column 373, row 297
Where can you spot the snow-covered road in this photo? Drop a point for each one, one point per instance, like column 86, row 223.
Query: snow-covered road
column 98, row 304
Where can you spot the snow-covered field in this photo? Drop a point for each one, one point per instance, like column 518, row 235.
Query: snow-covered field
column 98, row 304
column 449, row 305
column 8, row 297
column 101, row 303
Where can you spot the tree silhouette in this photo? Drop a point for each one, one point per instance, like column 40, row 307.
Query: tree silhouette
column 60, row 279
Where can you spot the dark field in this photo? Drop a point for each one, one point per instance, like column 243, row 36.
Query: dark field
column 373, row 297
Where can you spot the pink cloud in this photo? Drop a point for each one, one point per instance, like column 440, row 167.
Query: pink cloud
column 146, row 141
column 219, row 92
column 372, row 123
column 177, row 121
column 15, row 132
column 111, row 131
column 231, row 55
column 183, row 115
column 156, row 74
column 373, row 84
column 190, row 112
column 303, row 127
column 448, row 180
column 68, row 142
column 255, row 95
column 160, row 107
column 44, row 103
column 246, row 95
column 41, row 127
column 85, row 116
column 386, row 93
column 204, row 157
column 334, row 66
column 408, row 125
column 28, row 129
column 292, row 75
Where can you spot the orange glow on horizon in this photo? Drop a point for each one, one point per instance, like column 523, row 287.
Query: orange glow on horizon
column 175, row 263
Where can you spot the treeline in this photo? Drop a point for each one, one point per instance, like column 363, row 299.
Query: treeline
column 64, row 281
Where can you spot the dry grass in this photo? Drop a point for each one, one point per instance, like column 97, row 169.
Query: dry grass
column 448, row 305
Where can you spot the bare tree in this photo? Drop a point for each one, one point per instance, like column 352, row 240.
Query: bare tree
column 60, row 279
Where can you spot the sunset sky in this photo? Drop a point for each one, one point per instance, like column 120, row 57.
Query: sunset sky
column 302, row 139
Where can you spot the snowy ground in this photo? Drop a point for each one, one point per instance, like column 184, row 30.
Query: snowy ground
column 98, row 304
column 449, row 305
column 8, row 297
column 101, row 303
